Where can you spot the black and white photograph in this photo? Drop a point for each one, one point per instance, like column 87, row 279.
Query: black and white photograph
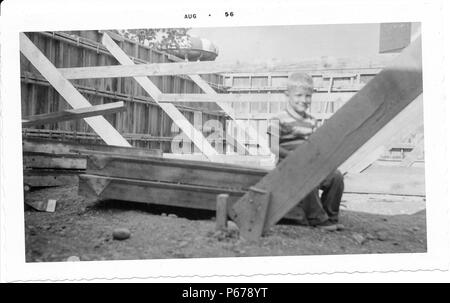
column 232, row 142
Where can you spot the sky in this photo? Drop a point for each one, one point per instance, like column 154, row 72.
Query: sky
column 291, row 43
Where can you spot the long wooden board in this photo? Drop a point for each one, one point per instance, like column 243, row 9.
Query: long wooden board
column 347, row 130
column 246, row 97
column 72, row 114
column 276, row 97
column 99, row 124
column 47, row 160
column 178, row 118
column 259, row 162
column 95, row 188
column 175, row 171
column 69, row 147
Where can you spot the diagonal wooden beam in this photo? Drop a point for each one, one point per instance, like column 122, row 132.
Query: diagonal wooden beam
column 178, row 118
column 253, row 134
column 333, row 143
column 99, row 124
column 72, row 114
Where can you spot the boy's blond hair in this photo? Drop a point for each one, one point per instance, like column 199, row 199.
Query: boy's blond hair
column 303, row 80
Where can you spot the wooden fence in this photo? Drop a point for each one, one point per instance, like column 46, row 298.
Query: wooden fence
column 143, row 121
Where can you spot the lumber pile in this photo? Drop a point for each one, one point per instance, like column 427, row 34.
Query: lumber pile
column 57, row 163
column 171, row 182
column 48, row 169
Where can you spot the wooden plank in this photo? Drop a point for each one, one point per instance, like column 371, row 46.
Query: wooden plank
column 44, row 178
column 99, row 124
column 177, row 117
column 173, row 170
column 348, row 129
column 267, row 116
column 405, row 122
column 221, row 212
column 198, row 124
column 72, row 114
column 248, row 161
column 46, row 160
column 181, row 195
column 206, row 67
column 69, row 147
column 197, row 197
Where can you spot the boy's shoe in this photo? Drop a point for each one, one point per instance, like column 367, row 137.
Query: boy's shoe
column 326, row 225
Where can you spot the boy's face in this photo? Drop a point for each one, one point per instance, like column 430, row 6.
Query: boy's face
column 299, row 98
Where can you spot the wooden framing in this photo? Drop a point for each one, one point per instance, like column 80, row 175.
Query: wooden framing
column 72, row 114
column 369, row 110
column 193, row 134
column 99, row 124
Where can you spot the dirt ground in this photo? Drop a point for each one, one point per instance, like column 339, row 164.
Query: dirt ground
column 374, row 224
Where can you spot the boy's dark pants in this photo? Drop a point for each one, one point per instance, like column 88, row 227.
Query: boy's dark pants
column 326, row 207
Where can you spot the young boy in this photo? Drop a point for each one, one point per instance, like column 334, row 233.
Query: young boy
column 293, row 126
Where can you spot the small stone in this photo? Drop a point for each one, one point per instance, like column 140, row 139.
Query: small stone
column 385, row 219
column 121, row 234
column 360, row 239
column 217, row 233
column 370, row 237
column 183, row 244
column 164, row 214
column 415, row 229
column 172, row 216
column 382, row 235
column 73, row 259
column 47, row 226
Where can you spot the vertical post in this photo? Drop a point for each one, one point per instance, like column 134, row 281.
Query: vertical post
column 222, row 212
